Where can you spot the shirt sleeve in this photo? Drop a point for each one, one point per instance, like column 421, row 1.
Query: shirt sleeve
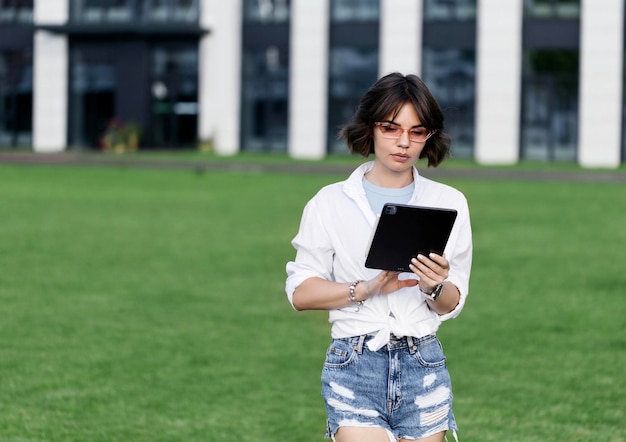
column 314, row 251
column 460, row 256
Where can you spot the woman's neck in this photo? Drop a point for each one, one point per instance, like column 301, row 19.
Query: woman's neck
column 392, row 180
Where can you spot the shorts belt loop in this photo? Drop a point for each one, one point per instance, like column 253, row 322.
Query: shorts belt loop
column 359, row 346
column 411, row 344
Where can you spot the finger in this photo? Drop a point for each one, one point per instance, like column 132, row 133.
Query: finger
column 426, row 275
column 425, row 264
column 402, row 283
column 427, row 278
column 425, row 268
column 440, row 259
column 417, row 267
column 420, row 273
column 383, row 276
column 437, row 263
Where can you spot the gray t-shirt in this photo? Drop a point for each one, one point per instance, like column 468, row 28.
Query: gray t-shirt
column 378, row 196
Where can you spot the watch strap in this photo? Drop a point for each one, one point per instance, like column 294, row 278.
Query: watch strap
column 435, row 293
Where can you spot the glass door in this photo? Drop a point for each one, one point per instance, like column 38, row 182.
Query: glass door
column 174, row 96
column 92, row 96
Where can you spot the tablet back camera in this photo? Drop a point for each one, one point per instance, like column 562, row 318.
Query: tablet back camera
column 391, row 210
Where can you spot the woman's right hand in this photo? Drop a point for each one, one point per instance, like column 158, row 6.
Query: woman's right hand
column 386, row 282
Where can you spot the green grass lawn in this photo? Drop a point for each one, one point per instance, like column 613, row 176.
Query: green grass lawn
column 148, row 305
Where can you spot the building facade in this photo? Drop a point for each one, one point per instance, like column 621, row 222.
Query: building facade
column 517, row 79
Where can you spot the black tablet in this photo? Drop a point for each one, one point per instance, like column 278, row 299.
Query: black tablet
column 404, row 231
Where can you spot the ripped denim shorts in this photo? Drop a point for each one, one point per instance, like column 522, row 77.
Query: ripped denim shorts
column 404, row 387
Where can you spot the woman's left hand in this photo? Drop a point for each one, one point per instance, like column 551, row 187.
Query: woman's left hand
column 432, row 270
column 385, row 283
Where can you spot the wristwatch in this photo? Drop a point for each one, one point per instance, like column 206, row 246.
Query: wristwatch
column 435, row 294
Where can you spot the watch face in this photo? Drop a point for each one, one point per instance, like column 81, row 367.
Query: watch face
column 437, row 292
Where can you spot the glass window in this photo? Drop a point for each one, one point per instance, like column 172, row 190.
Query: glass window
column 93, row 84
column 550, row 105
column 16, row 95
column 265, row 94
column 125, row 11
column 95, row 11
column 353, row 61
column 352, row 72
column 449, row 67
column 552, row 8
column 185, row 11
column 355, row 10
column 449, row 9
column 174, row 96
column 266, row 10
column 450, row 74
column 16, row 11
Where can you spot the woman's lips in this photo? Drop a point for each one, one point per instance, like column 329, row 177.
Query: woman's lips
column 400, row 157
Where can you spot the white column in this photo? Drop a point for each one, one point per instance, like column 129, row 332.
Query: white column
column 601, row 65
column 220, row 75
column 400, row 37
column 51, row 12
column 50, row 79
column 308, row 79
column 499, row 70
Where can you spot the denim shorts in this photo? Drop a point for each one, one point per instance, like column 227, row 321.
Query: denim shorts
column 404, row 387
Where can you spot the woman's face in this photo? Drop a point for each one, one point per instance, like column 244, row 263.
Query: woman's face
column 397, row 156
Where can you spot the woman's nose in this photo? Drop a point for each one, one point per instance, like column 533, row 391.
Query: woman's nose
column 404, row 139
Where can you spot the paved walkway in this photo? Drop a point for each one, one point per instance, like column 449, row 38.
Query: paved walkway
column 106, row 160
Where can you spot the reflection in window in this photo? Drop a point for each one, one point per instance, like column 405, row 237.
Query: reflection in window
column 352, row 72
column 93, row 83
column 16, row 11
column 550, row 105
column 449, row 9
column 355, row 10
column 126, row 11
column 16, row 94
column 265, row 96
column 174, row 96
column 266, row 10
column 450, row 74
column 94, row 11
column 552, row 8
column 179, row 11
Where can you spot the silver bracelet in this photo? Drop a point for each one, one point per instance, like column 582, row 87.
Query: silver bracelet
column 352, row 297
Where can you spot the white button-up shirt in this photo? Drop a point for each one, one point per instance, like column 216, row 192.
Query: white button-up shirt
column 335, row 231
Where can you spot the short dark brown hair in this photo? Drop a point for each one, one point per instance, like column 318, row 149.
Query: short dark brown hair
column 385, row 98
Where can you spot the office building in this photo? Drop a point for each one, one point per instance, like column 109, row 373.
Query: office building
column 517, row 79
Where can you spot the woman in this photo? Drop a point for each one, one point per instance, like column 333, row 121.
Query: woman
column 385, row 376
